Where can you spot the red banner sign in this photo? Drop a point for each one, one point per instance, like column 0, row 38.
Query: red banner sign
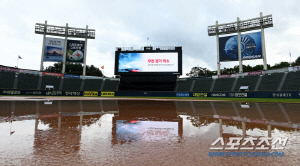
column 52, row 74
column 224, row 76
column 255, row 73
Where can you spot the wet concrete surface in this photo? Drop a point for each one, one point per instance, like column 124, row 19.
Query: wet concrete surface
column 143, row 132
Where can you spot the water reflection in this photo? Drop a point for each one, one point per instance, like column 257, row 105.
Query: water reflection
column 146, row 121
column 78, row 132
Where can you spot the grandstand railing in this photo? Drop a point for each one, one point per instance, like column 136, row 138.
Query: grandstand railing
column 17, row 70
column 188, row 85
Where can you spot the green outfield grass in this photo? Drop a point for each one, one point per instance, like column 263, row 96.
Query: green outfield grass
column 279, row 100
column 223, row 99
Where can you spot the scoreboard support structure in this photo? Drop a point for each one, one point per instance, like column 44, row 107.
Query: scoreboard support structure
column 65, row 55
column 264, row 54
column 150, row 68
column 259, row 23
column 53, row 30
column 43, row 49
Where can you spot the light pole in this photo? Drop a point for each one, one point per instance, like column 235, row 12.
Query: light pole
column 18, row 61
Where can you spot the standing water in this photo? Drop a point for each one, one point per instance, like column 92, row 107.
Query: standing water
column 144, row 132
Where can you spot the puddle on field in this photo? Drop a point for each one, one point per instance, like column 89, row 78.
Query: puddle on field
column 142, row 132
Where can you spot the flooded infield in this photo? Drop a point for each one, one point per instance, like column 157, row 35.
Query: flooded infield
column 147, row 132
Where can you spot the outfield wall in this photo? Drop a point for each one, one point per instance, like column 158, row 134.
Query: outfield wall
column 253, row 94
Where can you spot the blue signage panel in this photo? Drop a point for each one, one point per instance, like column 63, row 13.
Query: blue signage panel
column 71, row 76
column 250, row 47
column 238, row 94
column 182, row 94
column 54, row 49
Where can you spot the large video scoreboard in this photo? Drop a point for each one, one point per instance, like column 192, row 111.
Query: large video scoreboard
column 148, row 61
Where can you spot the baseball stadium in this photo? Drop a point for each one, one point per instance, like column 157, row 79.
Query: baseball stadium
column 150, row 112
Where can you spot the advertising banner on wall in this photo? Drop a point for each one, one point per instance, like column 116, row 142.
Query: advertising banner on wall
column 148, row 62
column 72, row 76
column 182, row 94
column 250, row 47
column 90, row 93
column 75, row 51
column 54, row 49
column 108, row 94
column 52, row 74
column 9, row 69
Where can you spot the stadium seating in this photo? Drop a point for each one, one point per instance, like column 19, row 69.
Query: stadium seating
column 92, row 84
column 71, row 84
column 250, row 81
column 203, row 85
column 270, row 82
column 27, row 81
column 50, row 80
column 223, row 84
column 7, row 79
column 111, row 85
column 184, row 85
column 292, row 81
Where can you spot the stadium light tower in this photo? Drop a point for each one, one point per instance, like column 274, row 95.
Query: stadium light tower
column 241, row 46
column 76, row 49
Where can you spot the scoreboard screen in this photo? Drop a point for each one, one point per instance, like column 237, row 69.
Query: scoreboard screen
column 148, row 63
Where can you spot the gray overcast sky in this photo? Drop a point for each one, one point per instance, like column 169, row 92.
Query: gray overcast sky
column 128, row 23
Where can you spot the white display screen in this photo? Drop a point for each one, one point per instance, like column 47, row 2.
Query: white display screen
column 148, row 62
column 145, row 130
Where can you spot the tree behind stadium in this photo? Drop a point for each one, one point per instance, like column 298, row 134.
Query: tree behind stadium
column 75, row 68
